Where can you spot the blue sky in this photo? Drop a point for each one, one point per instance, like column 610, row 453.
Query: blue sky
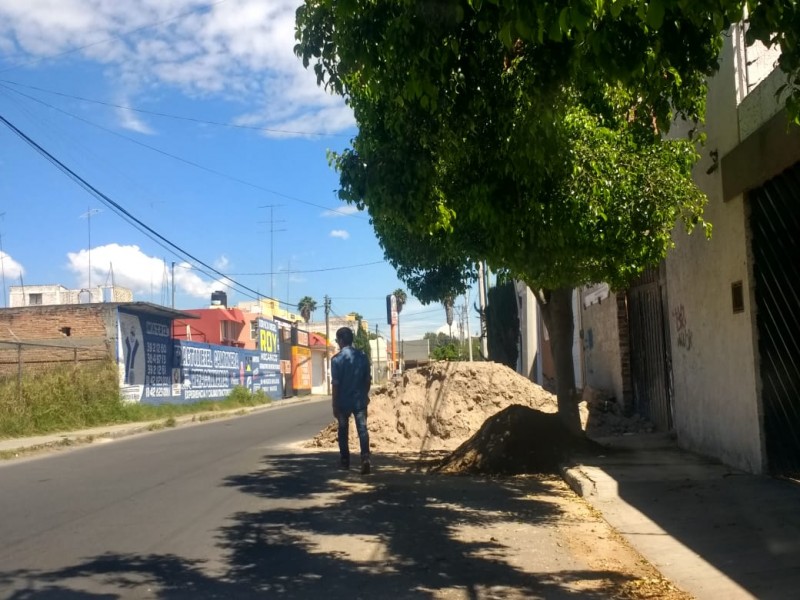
column 193, row 116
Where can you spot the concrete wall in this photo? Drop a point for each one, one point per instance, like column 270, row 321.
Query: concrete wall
column 20, row 296
column 601, row 350
column 714, row 361
column 529, row 361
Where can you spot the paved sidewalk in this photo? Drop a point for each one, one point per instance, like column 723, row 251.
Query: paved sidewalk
column 713, row 531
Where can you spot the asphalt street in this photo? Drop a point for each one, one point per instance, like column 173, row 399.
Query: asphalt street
column 237, row 509
column 151, row 502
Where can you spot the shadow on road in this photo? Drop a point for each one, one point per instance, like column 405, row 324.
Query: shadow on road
column 325, row 533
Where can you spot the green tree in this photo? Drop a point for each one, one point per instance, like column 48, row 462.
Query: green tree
column 528, row 134
column 361, row 337
column 306, row 307
column 400, row 297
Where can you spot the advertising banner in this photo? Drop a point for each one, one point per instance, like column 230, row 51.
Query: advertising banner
column 301, row 370
column 145, row 357
column 269, row 377
column 210, row 372
column 155, row 368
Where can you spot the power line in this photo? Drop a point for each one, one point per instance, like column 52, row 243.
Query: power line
column 121, row 211
column 180, row 159
column 172, row 115
column 377, row 262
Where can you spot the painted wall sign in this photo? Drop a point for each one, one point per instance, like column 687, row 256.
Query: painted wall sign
column 145, row 357
column 270, row 379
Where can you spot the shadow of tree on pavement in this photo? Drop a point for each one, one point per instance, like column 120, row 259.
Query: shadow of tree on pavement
column 325, row 533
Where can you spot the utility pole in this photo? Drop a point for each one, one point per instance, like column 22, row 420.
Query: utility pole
column 482, row 309
column 327, row 342
column 469, row 335
column 88, row 214
column 2, row 265
column 272, row 232
column 378, row 354
column 173, row 285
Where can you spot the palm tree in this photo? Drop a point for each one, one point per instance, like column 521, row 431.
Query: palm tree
column 448, row 313
column 306, row 306
column 400, row 297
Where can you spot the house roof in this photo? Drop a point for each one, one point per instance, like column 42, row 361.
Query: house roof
column 316, row 340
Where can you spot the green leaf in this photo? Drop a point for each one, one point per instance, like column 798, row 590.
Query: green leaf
column 655, row 13
column 505, row 35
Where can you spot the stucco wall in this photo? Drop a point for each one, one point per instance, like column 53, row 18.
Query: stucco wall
column 713, row 358
column 601, row 347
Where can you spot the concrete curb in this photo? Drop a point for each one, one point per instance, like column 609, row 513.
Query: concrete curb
column 579, row 481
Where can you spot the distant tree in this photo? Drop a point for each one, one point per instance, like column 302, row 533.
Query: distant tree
column 361, row 339
column 306, row 307
column 400, row 297
column 446, row 352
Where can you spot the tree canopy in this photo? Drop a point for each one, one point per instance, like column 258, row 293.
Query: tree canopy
column 529, row 134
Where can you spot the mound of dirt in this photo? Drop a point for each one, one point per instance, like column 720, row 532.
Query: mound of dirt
column 448, row 406
column 438, row 407
column 516, row 440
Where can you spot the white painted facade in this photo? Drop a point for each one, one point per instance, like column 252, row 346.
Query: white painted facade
column 39, row 295
column 714, row 350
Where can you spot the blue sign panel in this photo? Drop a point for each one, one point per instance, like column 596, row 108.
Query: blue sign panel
column 144, row 353
column 270, row 379
column 154, row 368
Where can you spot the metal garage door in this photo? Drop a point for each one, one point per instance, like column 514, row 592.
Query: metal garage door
column 775, row 227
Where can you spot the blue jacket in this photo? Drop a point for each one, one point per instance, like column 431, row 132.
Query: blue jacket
column 350, row 373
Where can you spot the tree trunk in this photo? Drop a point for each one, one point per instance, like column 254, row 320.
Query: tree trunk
column 556, row 308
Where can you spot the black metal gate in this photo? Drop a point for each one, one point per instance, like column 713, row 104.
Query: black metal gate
column 775, row 227
column 651, row 374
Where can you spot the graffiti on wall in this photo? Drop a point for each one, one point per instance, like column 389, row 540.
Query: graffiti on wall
column 684, row 333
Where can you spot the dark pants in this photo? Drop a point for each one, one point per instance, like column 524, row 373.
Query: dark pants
column 363, row 434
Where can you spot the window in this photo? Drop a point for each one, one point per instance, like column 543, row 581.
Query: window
column 34, row 299
column 253, row 329
column 228, row 331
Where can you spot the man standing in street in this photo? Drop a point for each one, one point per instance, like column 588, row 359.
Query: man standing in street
column 350, row 381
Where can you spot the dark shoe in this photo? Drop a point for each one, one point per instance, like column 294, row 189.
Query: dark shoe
column 344, row 464
column 365, row 467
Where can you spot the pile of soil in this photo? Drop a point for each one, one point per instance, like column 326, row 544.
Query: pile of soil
column 447, row 407
column 516, row 440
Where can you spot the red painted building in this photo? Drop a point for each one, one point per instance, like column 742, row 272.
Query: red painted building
column 218, row 325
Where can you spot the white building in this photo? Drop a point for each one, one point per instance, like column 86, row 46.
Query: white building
column 708, row 345
column 38, row 295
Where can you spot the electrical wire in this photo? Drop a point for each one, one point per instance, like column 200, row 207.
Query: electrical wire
column 171, row 115
column 183, row 160
column 128, row 217
column 295, row 271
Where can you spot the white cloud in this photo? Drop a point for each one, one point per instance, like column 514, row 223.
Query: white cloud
column 11, row 269
column 133, row 269
column 239, row 50
column 347, row 209
column 222, row 263
column 130, row 120
column 340, row 233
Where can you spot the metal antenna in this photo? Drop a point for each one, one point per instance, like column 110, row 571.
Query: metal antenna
column 2, row 264
column 272, row 232
column 88, row 216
